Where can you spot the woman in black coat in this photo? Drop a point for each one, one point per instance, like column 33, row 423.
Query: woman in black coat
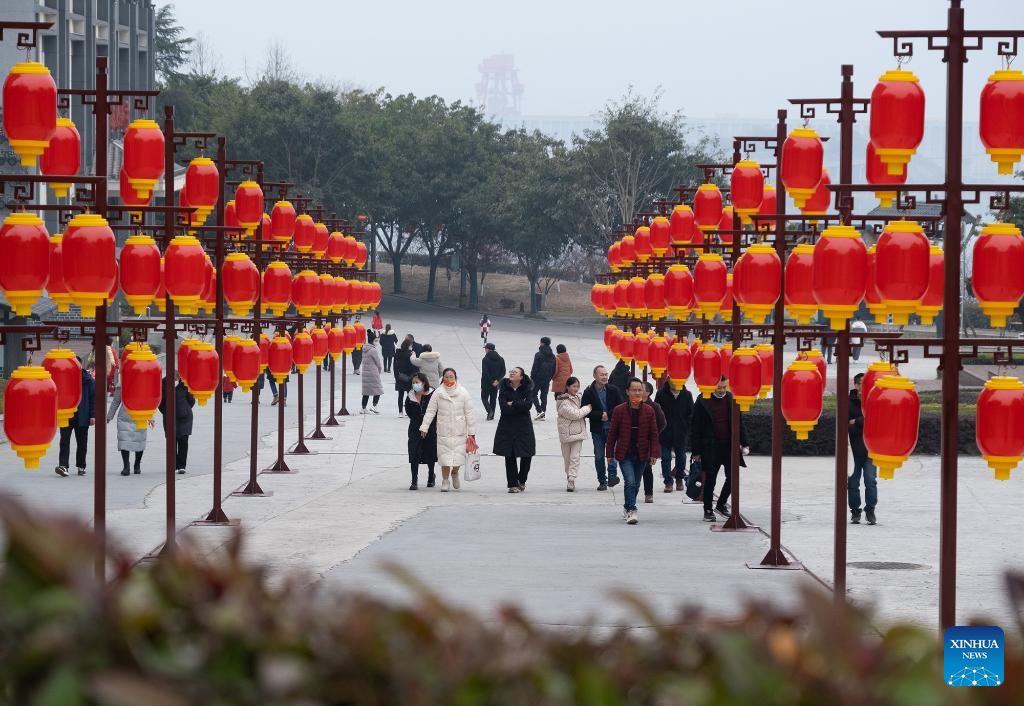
column 183, row 404
column 422, row 449
column 388, row 342
column 514, row 437
column 403, row 371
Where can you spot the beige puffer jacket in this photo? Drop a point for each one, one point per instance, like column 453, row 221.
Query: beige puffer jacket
column 572, row 419
column 453, row 408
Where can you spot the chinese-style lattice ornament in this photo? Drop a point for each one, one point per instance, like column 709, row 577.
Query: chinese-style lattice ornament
column 202, row 187
column 306, row 292
column 707, row 368
column 878, row 175
column 654, row 296
column 277, row 288
column 279, row 358
column 709, row 283
column 30, row 110
column 802, row 157
column 140, row 271
column 30, row 419
column 203, row 371
column 999, row 429
column 642, row 244
column 759, row 286
column 241, row 283
column 304, row 234
column 302, row 351
column 679, row 364
column 1002, row 118
column 661, row 236
column 819, row 201
column 746, row 189
column 249, row 206
column 998, row 261
column 89, row 263
column 143, row 156
column 185, row 273
column 681, row 225
column 766, row 354
column 801, row 397
column 934, row 296
column 678, row 290
column 872, row 299
column 799, row 297
column 818, row 359
column 725, row 226
column 141, row 383
column 840, row 273
column 745, row 377
column 897, row 118
column 245, row 362
column 902, row 268
column 227, row 356
column 707, row 207
column 55, row 286
column 892, row 415
column 24, row 261
column 657, row 355
column 66, row 373
column 63, row 156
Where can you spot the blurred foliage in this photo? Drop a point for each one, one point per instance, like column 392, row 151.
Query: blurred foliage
column 189, row 631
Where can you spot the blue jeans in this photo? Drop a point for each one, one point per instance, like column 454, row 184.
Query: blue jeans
column 632, row 473
column 284, row 386
column 862, row 465
column 600, row 437
column 666, row 462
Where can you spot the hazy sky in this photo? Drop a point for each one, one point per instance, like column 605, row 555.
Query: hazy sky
column 736, row 58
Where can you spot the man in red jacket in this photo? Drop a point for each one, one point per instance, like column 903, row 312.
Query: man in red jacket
column 633, row 442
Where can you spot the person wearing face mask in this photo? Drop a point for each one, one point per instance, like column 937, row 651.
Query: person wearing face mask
column 633, row 442
column 452, row 407
column 422, row 449
column 711, row 444
column 514, row 438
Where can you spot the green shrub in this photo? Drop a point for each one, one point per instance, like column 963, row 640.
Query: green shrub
column 188, row 631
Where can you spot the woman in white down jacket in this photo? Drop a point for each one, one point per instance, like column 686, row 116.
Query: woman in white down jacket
column 456, row 426
column 572, row 429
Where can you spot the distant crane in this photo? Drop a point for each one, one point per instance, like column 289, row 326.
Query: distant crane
column 499, row 92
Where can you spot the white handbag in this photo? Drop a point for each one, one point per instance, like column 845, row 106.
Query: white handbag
column 472, row 467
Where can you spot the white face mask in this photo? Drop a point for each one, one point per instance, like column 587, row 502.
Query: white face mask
column 417, row 386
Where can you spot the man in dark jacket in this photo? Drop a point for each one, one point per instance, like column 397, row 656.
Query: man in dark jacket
column 633, row 442
column 619, row 378
column 861, row 461
column 711, row 444
column 677, row 404
column 83, row 418
column 183, row 404
column 541, row 373
column 603, row 399
column 492, row 370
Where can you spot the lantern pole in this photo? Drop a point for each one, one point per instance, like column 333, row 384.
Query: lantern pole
column 170, row 357
column 343, row 412
column 318, row 433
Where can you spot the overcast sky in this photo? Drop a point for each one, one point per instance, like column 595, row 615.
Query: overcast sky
column 735, row 58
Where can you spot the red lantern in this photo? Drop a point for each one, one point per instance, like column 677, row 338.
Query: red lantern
column 745, row 377
column 802, row 157
column 202, row 187
column 282, row 221
column 231, row 219
column 997, row 265
column 999, row 429
column 725, row 226
column 249, row 206
column 707, row 368
column 55, row 286
column 336, row 247
column 277, row 288
column 30, row 110
column 746, row 188
column 892, row 415
column 661, row 236
column 654, row 296
column 113, row 288
column 819, row 201
column 875, row 370
column 682, row 225
column 840, row 273
column 872, row 298
column 355, row 295
column 657, row 354
column 818, row 359
column 878, row 173
column 641, row 350
column 897, row 118
column 679, row 364
column 626, row 342
column 241, row 284
column 725, row 308
column 227, row 356
column 769, row 207
column 360, row 255
column 759, row 286
column 725, row 352
column 183, row 351
column 185, row 273
column 306, row 292
column 264, row 352
column 901, row 268
column 143, row 156
column 1002, row 118
column 375, row 294
column 627, row 251
column 678, row 290
column 335, row 342
column 620, row 296
column 351, row 251
column 141, row 386
column 934, row 296
column 737, row 281
column 89, row 263
column 799, row 282
column 351, row 338
column 637, row 302
column 24, row 261
column 595, row 298
column 613, row 256
column 766, row 353
column 63, row 156
column 642, row 244
column 66, row 373
column 707, row 207
column 305, row 233
column 801, row 397
column 694, row 347
column 302, row 351
column 203, row 371
column 207, row 299
column 342, row 298
column 131, row 347
column 709, row 283
column 245, row 363
column 321, row 237
column 30, row 419
column 140, row 271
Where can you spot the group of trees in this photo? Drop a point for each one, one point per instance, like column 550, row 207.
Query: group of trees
column 434, row 176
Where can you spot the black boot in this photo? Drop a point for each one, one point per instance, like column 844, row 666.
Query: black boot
column 125, row 471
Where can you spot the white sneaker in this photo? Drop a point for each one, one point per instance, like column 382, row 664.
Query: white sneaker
column 632, row 518
column 625, row 514
column 444, row 486
column 455, row 479
column 539, row 417
column 374, row 409
column 362, row 411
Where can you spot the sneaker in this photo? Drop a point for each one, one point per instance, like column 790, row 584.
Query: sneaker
column 444, row 486
column 125, row 472
column 710, row 516
column 854, row 518
column 414, row 487
column 603, row 486
column 539, row 417
column 613, row 481
column 522, row 487
column 513, row 490
column 870, row 514
column 490, row 417
column 722, row 510
column 625, row 514
column 363, row 411
column 648, row 498
column 430, row 483
column 81, row 471
column 570, row 486
column 455, row 480
column 274, row 401
column 679, row 484
column 374, row 410
column 632, row 518
column 61, row 471
column 668, row 487
column 181, row 471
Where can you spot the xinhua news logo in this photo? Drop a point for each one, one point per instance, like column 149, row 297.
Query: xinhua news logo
column 973, row 656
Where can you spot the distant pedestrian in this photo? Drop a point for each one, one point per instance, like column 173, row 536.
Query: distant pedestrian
column 227, row 387
column 129, row 437
column 485, row 327
column 280, row 392
column 403, row 371
column 492, row 370
column 388, row 344
column 452, row 407
column 514, row 438
column 429, row 363
column 711, row 444
column 83, row 418
column 619, row 377
column 357, row 360
column 373, row 371
column 183, row 404
column 862, row 465
column 572, row 429
column 677, row 404
column 422, row 449
column 857, row 326
column 828, row 344
column 648, row 467
column 563, row 369
column 602, row 399
column 417, row 348
column 377, row 324
column 541, row 373
column 633, row 442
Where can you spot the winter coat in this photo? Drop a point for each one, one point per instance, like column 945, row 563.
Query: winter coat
column 619, row 378
column 429, row 364
column 856, row 430
column 514, row 435
column 388, row 343
column 420, row 450
column 492, row 369
column 372, row 369
column 571, row 418
column 87, row 406
column 702, row 433
column 678, row 410
column 377, row 324
column 619, row 435
column 563, row 369
column 417, row 348
column 659, row 416
column 543, row 366
column 129, row 437
column 453, row 410
column 183, row 403
column 226, row 385
column 403, row 370
column 593, row 400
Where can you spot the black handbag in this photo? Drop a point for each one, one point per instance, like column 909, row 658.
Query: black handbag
column 695, row 481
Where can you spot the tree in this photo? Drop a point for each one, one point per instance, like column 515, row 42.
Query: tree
column 172, row 45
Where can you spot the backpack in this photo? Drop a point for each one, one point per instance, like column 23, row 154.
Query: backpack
column 695, row 481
